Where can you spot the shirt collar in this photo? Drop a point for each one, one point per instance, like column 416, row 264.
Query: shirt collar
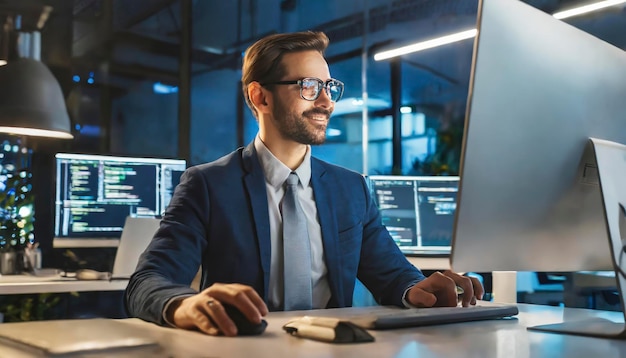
column 276, row 172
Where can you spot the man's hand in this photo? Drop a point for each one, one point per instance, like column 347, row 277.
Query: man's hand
column 206, row 313
column 439, row 290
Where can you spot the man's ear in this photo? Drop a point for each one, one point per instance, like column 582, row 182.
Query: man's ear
column 259, row 97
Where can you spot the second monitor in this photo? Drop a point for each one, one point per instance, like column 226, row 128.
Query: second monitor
column 418, row 211
column 94, row 194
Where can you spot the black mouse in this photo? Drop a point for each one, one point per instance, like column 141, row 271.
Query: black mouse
column 244, row 326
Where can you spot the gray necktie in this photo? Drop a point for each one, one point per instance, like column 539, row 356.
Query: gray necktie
column 296, row 250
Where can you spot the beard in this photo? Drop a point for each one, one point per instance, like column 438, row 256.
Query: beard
column 297, row 127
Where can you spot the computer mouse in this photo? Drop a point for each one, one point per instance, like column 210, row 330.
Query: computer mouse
column 244, row 326
column 88, row 274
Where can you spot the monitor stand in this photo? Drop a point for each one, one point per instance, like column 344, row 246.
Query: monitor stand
column 610, row 159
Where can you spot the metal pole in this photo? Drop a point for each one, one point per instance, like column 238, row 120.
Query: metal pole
column 106, row 101
column 396, row 102
column 365, row 114
column 184, row 85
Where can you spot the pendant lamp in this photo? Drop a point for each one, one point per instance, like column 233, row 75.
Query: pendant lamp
column 31, row 101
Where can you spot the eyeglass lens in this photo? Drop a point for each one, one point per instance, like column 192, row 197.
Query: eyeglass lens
column 311, row 88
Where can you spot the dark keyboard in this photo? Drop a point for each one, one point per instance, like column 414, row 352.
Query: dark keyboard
column 385, row 318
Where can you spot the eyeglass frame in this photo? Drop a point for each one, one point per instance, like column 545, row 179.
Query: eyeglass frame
column 319, row 92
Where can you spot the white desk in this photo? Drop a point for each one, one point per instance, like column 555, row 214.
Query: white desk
column 496, row 338
column 26, row 284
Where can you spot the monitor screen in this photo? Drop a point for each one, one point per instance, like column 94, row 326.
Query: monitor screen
column 95, row 193
column 418, row 211
column 529, row 200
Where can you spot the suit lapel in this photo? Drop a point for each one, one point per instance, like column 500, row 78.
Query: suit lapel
column 322, row 188
column 255, row 186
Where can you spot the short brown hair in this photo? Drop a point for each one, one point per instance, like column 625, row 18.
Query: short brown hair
column 261, row 62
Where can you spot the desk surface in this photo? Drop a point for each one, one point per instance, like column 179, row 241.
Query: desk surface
column 495, row 338
column 26, row 284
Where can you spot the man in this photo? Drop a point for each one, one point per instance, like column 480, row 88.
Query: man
column 227, row 216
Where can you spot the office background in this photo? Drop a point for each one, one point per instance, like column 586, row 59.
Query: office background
column 160, row 78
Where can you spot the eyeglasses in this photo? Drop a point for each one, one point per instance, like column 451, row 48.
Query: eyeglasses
column 311, row 88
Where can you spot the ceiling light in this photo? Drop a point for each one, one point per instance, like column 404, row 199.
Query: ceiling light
column 587, row 8
column 162, row 88
column 349, row 105
column 459, row 36
column 333, row 132
column 463, row 35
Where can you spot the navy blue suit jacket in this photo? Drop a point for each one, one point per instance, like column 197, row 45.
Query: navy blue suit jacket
column 218, row 218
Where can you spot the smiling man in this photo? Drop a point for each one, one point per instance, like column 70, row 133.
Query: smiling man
column 272, row 227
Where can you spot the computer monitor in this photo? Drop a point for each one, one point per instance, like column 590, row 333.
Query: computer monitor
column 418, row 211
column 94, row 194
column 529, row 196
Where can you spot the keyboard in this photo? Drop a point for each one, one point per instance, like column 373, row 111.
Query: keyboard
column 392, row 317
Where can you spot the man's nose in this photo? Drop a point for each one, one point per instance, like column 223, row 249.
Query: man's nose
column 324, row 99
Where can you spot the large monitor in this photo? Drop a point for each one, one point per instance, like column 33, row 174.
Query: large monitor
column 418, row 211
column 94, row 194
column 529, row 195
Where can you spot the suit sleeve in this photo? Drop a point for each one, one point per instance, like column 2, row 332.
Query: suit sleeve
column 169, row 264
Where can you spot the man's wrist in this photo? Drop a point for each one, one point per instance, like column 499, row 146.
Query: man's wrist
column 170, row 307
column 405, row 300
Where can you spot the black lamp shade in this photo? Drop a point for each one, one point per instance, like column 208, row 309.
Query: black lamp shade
column 31, row 101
